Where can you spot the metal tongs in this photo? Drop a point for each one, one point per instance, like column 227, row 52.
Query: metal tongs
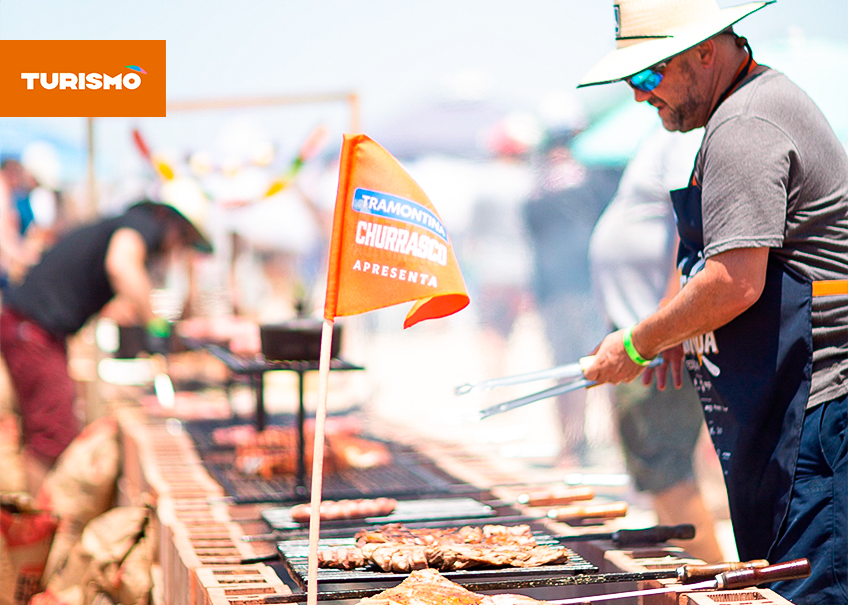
column 571, row 373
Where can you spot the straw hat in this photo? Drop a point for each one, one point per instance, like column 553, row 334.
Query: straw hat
column 650, row 31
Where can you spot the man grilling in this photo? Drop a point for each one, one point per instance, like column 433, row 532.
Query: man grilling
column 763, row 312
column 88, row 267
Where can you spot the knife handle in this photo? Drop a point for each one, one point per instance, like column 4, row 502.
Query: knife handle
column 698, row 573
column 596, row 511
column 745, row 578
column 556, row 497
column 655, row 535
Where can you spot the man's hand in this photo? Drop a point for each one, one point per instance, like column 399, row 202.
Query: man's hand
column 728, row 285
column 159, row 332
column 612, row 364
column 672, row 358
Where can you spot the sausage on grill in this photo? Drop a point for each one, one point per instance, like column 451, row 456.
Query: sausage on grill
column 333, row 510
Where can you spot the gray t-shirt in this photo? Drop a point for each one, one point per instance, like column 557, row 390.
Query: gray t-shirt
column 772, row 173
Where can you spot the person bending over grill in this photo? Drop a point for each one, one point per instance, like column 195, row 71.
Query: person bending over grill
column 85, row 269
column 762, row 316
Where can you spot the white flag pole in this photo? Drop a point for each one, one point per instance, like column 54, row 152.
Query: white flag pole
column 318, row 462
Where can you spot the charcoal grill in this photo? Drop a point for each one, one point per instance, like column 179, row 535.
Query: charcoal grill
column 295, row 554
column 202, row 430
column 254, row 368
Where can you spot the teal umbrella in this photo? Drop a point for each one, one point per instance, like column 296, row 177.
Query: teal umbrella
column 613, row 139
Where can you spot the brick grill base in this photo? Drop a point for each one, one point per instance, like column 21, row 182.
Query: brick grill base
column 200, row 546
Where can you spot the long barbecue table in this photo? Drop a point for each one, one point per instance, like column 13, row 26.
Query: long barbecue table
column 201, row 552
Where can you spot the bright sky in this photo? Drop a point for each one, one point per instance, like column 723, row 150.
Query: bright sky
column 395, row 54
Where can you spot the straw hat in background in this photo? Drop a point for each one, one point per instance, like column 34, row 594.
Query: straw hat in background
column 650, row 31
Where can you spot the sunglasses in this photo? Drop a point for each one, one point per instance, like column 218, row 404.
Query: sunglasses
column 648, row 79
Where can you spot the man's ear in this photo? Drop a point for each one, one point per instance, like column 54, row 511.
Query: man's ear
column 705, row 53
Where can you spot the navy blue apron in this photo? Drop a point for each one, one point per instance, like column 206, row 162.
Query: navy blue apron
column 753, row 378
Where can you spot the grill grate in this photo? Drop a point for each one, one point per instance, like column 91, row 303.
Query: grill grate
column 409, row 475
column 202, row 431
column 295, row 554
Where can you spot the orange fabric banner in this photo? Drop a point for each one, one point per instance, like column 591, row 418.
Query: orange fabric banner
column 389, row 245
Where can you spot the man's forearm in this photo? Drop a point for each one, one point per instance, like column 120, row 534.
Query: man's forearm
column 711, row 299
column 134, row 287
column 126, row 271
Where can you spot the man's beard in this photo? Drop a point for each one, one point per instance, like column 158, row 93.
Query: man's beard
column 683, row 116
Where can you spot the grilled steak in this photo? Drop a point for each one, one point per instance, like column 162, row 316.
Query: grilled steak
column 468, row 556
column 428, row 587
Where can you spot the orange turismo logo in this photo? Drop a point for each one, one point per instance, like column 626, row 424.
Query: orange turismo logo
column 85, row 78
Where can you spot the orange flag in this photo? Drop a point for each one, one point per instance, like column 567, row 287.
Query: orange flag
column 389, row 245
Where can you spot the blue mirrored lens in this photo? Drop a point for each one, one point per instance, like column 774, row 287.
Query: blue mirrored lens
column 646, row 80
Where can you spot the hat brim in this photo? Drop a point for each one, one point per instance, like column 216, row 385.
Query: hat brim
column 199, row 240
column 625, row 62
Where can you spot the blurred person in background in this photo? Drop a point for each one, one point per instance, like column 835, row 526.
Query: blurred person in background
column 494, row 250
column 632, row 252
column 85, row 269
column 29, row 200
column 16, row 216
column 559, row 215
column 762, row 315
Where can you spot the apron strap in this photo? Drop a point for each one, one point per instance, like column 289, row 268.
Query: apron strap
column 830, row 287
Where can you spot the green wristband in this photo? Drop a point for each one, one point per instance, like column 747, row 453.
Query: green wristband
column 159, row 327
column 631, row 350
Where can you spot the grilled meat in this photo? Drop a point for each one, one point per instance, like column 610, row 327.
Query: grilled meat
column 425, row 587
column 428, row 587
column 333, row 510
column 488, row 534
column 342, row 558
column 274, row 451
column 468, row 556
column 401, row 558
column 395, row 548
